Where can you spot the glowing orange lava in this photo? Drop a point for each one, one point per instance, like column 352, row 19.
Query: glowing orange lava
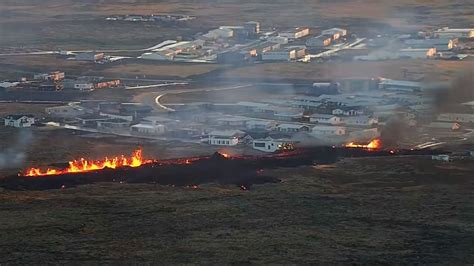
column 373, row 145
column 83, row 165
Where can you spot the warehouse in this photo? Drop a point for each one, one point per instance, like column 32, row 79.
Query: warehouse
column 91, row 56
column 336, row 33
column 453, row 33
column 286, row 54
column 319, row 41
column 295, row 33
column 439, row 44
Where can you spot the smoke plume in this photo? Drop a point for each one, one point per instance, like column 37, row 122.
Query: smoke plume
column 15, row 155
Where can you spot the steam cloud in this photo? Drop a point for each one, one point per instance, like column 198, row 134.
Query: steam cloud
column 15, row 155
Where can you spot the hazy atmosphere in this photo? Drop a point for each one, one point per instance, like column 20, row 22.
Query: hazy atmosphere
column 236, row 132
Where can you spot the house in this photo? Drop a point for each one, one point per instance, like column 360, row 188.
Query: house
column 291, row 128
column 347, row 111
column 147, row 129
column 360, row 120
column 271, row 145
column 225, row 137
column 260, row 125
column 327, row 131
column 19, row 120
column 441, row 157
column 325, row 119
column 232, row 121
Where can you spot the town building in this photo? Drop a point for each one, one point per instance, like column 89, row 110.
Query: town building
column 292, row 128
column 295, row 33
column 66, row 111
column 19, row 120
column 335, row 33
column 440, row 44
column 147, row 129
column 90, row 56
column 319, row 41
column 325, row 119
column 457, row 117
column 453, row 33
column 225, row 137
column 53, row 76
column 361, row 120
column 400, row 85
column 327, row 131
column 271, row 145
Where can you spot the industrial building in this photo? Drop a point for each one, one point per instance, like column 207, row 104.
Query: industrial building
column 53, row 76
column 295, row 33
column 319, row 41
column 439, row 44
column 335, row 33
column 90, row 56
column 454, row 33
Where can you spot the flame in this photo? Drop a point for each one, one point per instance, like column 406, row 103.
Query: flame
column 373, row 145
column 83, row 165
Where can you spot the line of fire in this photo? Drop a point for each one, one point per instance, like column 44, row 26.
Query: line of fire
column 242, row 171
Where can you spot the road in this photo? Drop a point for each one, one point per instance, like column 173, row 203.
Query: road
column 157, row 96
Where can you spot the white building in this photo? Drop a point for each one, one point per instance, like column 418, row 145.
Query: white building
column 325, row 131
column 325, row 119
column 148, row 129
column 361, row 120
column 19, row 121
column 457, row 117
column 292, row 128
column 271, row 145
column 225, row 137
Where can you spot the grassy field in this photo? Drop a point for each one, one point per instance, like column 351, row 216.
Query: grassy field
column 370, row 211
column 429, row 70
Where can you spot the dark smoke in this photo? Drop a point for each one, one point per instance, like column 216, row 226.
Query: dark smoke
column 461, row 91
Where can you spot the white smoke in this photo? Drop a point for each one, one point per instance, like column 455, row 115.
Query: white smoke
column 15, row 155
